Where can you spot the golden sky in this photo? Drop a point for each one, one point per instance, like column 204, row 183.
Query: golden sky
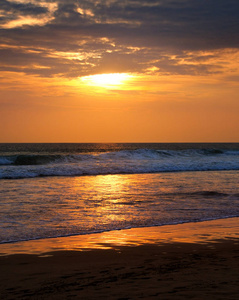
column 119, row 71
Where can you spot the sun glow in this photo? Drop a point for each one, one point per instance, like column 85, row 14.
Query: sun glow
column 107, row 80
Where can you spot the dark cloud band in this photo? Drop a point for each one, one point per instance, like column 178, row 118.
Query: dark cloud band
column 117, row 36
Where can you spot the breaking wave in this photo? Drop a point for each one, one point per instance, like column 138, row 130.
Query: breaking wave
column 117, row 162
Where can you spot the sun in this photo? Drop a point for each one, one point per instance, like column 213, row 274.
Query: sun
column 112, row 80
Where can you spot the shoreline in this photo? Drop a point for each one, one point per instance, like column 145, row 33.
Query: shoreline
column 185, row 261
column 197, row 232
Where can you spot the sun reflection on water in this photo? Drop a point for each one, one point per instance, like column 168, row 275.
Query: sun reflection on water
column 109, row 196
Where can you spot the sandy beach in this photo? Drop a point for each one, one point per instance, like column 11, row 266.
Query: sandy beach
column 187, row 261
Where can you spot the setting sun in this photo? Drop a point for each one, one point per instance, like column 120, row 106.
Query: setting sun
column 107, row 80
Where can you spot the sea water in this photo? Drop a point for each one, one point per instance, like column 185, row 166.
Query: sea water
column 52, row 190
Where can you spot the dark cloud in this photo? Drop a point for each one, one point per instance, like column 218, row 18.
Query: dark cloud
column 120, row 36
column 22, row 8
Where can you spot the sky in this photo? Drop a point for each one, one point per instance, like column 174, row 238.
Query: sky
column 119, row 71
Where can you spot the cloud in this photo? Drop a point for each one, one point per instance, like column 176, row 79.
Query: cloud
column 22, row 8
column 78, row 38
column 18, row 13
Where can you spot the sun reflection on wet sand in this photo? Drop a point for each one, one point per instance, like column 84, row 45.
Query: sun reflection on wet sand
column 201, row 232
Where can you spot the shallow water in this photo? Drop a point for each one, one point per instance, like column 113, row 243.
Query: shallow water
column 61, row 206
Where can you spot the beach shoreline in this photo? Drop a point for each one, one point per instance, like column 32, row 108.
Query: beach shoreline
column 185, row 261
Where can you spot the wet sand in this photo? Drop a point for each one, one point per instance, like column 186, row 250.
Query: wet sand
column 187, row 261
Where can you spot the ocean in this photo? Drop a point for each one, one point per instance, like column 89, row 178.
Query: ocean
column 57, row 190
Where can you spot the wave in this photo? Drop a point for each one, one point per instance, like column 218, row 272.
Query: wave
column 36, row 159
column 27, row 160
column 117, row 162
column 103, row 170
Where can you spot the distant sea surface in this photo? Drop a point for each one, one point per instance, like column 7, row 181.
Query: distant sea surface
column 52, row 190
